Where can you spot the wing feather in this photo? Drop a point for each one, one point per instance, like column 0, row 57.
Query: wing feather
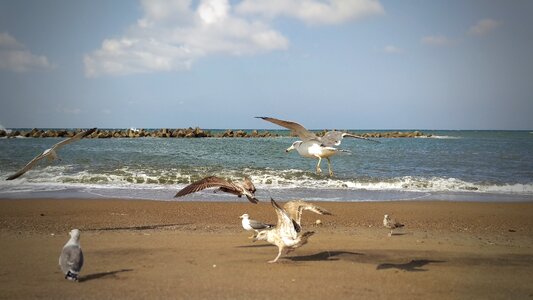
column 296, row 128
column 295, row 209
column 207, row 182
column 286, row 226
column 76, row 137
column 26, row 167
column 334, row 138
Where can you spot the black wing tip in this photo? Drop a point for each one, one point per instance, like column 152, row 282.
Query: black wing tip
column 89, row 131
column 12, row 177
column 262, row 117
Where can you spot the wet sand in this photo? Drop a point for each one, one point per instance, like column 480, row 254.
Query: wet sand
column 198, row 250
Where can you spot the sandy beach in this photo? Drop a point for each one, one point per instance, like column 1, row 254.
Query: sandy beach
column 198, row 250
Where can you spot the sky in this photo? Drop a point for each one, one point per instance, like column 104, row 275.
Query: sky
column 344, row 64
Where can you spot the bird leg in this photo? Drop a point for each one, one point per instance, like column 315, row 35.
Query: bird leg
column 390, row 233
column 329, row 167
column 318, row 170
column 280, row 249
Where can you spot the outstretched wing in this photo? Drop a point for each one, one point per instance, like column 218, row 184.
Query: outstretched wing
column 295, row 208
column 286, row 226
column 248, row 185
column 76, row 137
column 296, row 128
column 207, row 182
column 334, row 138
column 26, row 167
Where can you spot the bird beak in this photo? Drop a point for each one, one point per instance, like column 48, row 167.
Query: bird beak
column 289, row 149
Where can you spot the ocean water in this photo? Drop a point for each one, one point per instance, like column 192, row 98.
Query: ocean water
column 451, row 165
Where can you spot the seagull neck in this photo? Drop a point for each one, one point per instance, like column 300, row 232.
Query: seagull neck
column 73, row 241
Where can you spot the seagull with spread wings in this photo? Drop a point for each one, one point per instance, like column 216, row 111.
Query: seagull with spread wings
column 313, row 146
column 287, row 235
column 51, row 153
column 246, row 187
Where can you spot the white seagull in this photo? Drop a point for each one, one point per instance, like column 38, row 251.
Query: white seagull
column 391, row 224
column 71, row 258
column 313, row 146
column 249, row 224
column 51, row 153
column 246, row 187
column 287, row 234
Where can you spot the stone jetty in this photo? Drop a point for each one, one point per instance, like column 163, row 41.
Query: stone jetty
column 184, row 133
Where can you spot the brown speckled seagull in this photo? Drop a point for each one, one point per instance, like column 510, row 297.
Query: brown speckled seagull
column 246, row 187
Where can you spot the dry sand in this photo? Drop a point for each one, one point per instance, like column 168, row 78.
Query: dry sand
column 198, row 250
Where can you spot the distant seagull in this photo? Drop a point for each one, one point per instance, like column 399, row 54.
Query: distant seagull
column 249, row 224
column 391, row 224
column 51, row 153
column 286, row 235
column 313, row 146
column 246, row 187
column 71, row 258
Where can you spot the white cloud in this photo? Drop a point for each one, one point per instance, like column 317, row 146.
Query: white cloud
column 172, row 35
column 390, row 49
column 439, row 40
column 483, row 27
column 15, row 57
column 312, row 11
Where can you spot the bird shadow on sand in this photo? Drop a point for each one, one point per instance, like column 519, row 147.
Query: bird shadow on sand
column 143, row 227
column 102, row 274
column 325, row 255
column 414, row 265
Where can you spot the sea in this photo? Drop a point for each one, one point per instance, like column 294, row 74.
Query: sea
column 459, row 165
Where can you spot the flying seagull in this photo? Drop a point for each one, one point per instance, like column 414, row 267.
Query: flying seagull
column 246, row 187
column 391, row 224
column 51, row 153
column 71, row 258
column 313, row 146
column 287, row 235
column 249, row 224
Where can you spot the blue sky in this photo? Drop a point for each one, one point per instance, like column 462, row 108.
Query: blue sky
column 358, row 64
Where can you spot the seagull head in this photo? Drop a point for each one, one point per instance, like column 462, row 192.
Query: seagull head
column 294, row 145
column 245, row 216
column 75, row 234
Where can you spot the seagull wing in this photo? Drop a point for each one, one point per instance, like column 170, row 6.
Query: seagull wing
column 76, row 137
column 286, row 226
column 248, row 185
column 27, row 167
column 334, row 138
column 257, row 225
column 295, row 208
column 71, row 259
column 207, row 182
column 296, row 128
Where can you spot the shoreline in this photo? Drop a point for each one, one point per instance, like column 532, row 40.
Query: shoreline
column 138, row 249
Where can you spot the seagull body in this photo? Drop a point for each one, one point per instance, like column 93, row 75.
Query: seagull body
column 313, row 146
column 391, row 224
column 286, row 235
column 249, row 224
column 246, row 187
column 50, row 153
column 71, row 258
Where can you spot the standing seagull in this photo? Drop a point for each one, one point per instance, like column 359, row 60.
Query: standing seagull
column 313, row 146
column 253, row 225
column 71, row 258
column 286, row 235
column 51, row 153
column 246, row 187
column 391, row 224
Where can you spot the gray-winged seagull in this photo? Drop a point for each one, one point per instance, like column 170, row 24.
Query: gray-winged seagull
column 391, row 224
column 51, row 153
column 71, row 258
column 286, row 235
column 313, row 146
column 249, row 224
column 246, row 187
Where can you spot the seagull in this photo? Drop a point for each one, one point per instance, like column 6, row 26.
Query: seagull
column 391, row 224
column 51, row 153
column 313, row 146
column 253, row 225
column 71, row 258
column 295, row 208
column 246, row 187
column 286, row 235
